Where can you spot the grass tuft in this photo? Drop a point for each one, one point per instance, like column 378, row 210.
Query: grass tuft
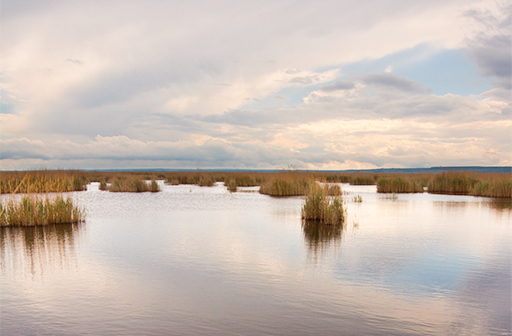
column 357, row 199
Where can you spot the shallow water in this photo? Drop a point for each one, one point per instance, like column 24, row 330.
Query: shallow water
column 192, row 260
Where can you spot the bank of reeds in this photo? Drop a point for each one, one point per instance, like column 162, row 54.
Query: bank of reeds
column 319, row 206
column 351, row 178
column 283, row 183
column 133, row 185
column 463, row 183
column 34, row 211
column 42, row 181
column 286, row 185
column 400, row 184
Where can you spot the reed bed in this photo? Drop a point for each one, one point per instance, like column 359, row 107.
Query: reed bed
column 41, row 182
column 133, row 185
column 487, row 185
column 34, row 211
column 400, row 184
column 286, row 185
column 282, row 183
column 319, row 206
column 351, row 178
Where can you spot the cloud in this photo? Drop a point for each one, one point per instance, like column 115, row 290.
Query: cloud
column 389, row 81
column 244, row 84
column 359, row 104
column 336, row 86
column 304, row 80
column 75, row 61
column 492, row 48
column 23, row 148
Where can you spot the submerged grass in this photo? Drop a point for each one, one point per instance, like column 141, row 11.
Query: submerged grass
column 33, row 211
column 357, row 199
column 321, row 207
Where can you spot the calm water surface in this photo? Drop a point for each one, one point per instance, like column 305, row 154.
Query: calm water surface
column 192, row 261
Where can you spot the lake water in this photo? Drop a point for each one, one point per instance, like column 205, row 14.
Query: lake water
column 202, row 261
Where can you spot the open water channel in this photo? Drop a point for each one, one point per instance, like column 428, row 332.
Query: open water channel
column 202, row 261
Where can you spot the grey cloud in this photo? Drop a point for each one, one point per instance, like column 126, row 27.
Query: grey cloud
column 494, row 57
column 449, row 108
column 492, row 50
column 388, row 80
column 307, row 80
column 22, row 148
column 337, row 86
column 75, row 61
column 292, row 71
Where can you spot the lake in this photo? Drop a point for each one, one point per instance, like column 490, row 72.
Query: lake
column 202, row 261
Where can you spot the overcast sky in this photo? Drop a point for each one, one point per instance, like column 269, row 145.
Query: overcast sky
column 255, row 84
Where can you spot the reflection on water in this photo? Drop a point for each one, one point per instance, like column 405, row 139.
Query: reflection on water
column 320, row 237
column 31, row 250
column 203, row 261
column 501, row 203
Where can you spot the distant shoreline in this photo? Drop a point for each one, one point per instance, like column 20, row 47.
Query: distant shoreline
column 478, row 169
column 440, row 169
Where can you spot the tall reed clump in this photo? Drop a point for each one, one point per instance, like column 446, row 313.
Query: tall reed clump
column 133, row 185
column 399, row 184
column 286, row 185
column 32, row 211
column 321, row 207
column 232, row 185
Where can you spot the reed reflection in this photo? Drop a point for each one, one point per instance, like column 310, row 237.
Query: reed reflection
column 30, row 251
column 320, row 237
column 501, row 203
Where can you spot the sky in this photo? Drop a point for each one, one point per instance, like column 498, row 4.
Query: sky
column 326, row 85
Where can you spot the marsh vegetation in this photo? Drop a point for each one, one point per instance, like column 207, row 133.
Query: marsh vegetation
column 35, row 211
column 131, row 185
column 42, row 181
column 281, row 183
column 321, row 207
